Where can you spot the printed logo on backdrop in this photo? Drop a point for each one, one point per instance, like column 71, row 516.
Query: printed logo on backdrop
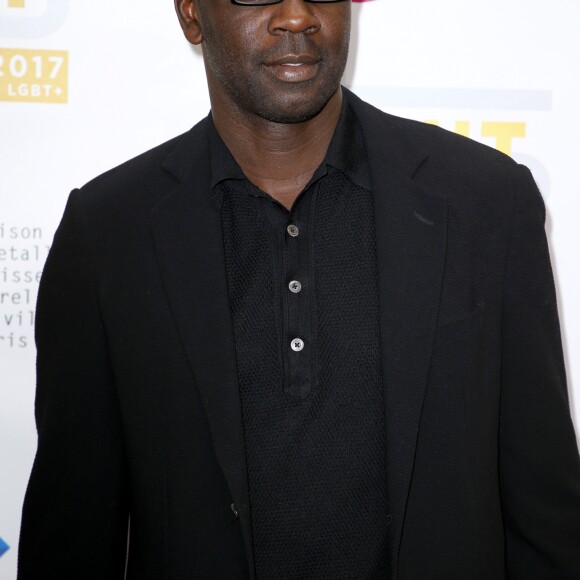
column 4, row 547
column 37, row 75
column 22, row 254
column 501, row 118
column 31, row 18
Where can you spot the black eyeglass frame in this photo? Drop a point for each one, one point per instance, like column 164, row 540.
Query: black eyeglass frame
column 269, row 2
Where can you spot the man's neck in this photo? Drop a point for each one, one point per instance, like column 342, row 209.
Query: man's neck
column 278, row 158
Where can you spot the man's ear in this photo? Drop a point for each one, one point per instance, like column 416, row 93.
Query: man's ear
column 188, row 14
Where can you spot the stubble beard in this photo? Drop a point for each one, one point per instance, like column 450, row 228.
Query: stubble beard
column 256, row 96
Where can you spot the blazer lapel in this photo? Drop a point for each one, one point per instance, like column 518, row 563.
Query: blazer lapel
column 411, row 240
column 411, row 233
column 188, row 238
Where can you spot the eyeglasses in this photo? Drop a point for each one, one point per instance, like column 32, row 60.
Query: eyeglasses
column 267, row 2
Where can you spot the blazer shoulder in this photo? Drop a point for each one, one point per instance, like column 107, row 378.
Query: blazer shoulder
column 434, row 142
column 448, row 164
column 145, row 178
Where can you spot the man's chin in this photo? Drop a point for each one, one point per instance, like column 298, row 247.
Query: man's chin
column 294, row 107
column 289, row 118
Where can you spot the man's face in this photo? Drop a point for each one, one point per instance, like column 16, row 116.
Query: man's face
column 281, row 62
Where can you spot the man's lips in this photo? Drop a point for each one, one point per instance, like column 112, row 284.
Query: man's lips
column 294, row 59
column 294, row 68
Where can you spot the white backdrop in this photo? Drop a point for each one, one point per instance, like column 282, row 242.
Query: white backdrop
column 86, row 85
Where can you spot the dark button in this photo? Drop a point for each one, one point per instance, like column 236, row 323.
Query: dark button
column 292, row 230
column 234, row 510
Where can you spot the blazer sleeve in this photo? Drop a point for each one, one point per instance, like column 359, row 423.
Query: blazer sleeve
column 75, row 512
column 539, row 465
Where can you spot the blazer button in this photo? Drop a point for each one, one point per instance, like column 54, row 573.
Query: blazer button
column 234, row 510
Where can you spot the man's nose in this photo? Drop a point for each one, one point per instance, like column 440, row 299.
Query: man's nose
column 293, row 16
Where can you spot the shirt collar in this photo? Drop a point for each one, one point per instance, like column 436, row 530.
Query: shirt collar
column 346, row 152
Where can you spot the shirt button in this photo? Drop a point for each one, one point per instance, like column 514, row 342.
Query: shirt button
column 295, row 286
column 292, row 230
column 297, row 344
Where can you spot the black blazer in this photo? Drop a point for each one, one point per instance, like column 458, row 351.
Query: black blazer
column 138, row 409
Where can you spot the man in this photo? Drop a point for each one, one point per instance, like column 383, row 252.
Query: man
column 306, row 339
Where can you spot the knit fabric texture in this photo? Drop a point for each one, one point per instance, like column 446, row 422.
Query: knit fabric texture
column 316, row 459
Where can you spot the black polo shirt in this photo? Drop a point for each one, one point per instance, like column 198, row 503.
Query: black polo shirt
column 304, row 302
